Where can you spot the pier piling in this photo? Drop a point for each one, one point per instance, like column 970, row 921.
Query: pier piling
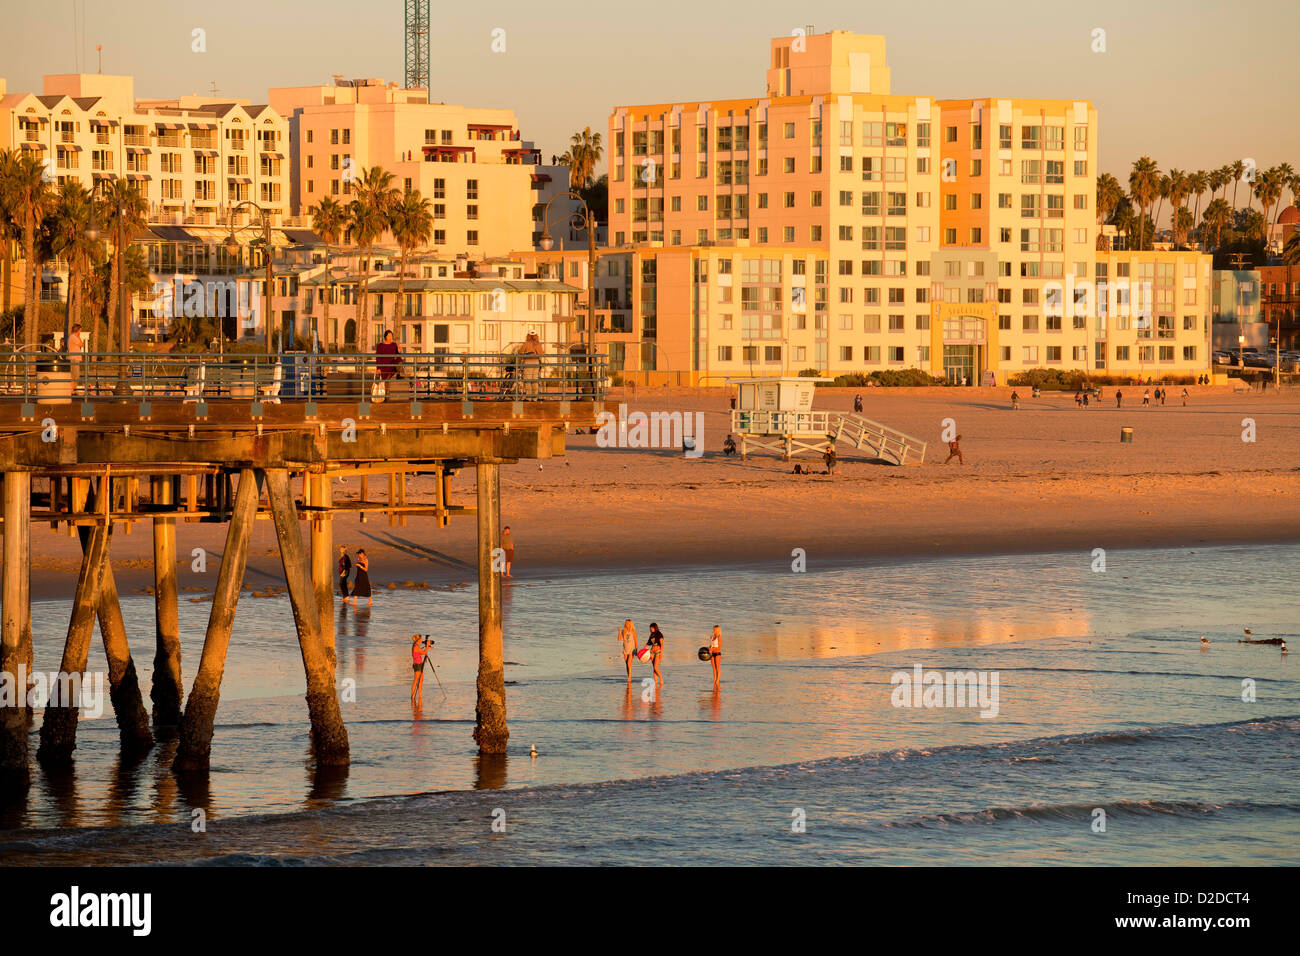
column 194, row 750
column 490, row 731
column 329, row 736
column 166, row 692
column 15, row 624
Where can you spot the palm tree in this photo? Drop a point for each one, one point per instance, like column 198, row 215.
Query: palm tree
column 329, row 220
column 1164, row 190
column 9, row 231
column 1125, row 220
column 583, row 154
column 1197, row 183
column 124, row 210
column 1236, row 171
column 412, row 226
column 1268, row 189
column 1109, row 193
column 29, row 199
column 368, row 218
column 1217, row 215
column 1144, row 187
column 69, row 227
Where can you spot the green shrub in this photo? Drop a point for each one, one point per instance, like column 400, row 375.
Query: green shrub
column 889, row 378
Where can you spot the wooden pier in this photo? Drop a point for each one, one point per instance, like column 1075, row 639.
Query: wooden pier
column 100, row 464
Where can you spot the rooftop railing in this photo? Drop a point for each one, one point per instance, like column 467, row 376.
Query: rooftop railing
column 57, row 378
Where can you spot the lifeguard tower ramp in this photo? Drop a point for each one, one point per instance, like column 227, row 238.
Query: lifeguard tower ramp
column 775, row 415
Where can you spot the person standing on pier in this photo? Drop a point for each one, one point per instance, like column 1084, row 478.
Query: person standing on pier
column 345, row 571
column 76, row 346
column 361, row 583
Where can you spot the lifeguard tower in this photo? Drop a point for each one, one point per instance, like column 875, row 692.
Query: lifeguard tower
column 776, row 415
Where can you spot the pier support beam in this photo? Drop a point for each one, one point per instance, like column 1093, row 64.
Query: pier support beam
column 322, row 560
column 490, row 731
column 167, row 691
column 194, row 750
column 15, row 626
column 329, row 736
column 123, row 683
column 59, row 729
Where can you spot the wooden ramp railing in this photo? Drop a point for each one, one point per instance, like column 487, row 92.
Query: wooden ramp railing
column 887, row 443
column 789, row 433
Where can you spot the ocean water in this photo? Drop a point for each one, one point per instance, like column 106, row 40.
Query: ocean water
column 1109, row 708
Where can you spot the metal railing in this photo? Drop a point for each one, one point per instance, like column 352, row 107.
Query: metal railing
column 49, row 377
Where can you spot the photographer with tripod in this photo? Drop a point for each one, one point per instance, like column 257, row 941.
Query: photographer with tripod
column 420, row 645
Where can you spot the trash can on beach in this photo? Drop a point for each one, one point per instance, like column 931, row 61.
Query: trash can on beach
column 1126, row 435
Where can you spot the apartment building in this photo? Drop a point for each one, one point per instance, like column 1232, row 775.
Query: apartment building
column 195, row 158
column 946, row 225
column 1280, row 297
column 471, row 163
column 445, row 307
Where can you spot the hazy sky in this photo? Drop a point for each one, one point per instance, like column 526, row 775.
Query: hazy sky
column 1194, row 84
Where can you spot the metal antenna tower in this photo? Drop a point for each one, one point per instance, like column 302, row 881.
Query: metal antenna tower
column 417, row 44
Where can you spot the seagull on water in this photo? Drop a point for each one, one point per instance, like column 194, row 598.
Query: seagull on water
column 1204, row 641
column 1248, row 631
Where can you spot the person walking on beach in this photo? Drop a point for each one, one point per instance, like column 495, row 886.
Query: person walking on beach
column 627, row 637
column 1078, row 399
column 715, row 654
column 857, row 404
column 419, row 649
column 954, row 451
column 1119, row 398
column 1085, row 399
column 361, row 583
column 656, row 644
column 829, row 457
column 508, row 546
column 345, row 571
column 1184, row 397
column 1015, row 401
column 1164, row 395
column 1146, row 397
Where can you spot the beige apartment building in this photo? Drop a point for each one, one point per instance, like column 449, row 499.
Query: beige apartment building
column 483, row 179
column 946, row 225
column 195, row 158
column 445, row 307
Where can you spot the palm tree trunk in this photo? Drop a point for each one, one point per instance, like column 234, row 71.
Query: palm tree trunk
column 329, row 292
column 363, row 301
column 7, row 278
column 32, row 312
column 401, row 289
column 110, row 317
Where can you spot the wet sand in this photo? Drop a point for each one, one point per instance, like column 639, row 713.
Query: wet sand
column 1046, row 477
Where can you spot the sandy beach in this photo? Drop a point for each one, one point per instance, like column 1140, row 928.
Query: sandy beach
column 1046, row 477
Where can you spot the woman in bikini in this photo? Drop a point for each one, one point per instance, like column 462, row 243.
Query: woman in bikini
column 627, row 636
column 715, row 654
column 656, row 644
column 419, row 648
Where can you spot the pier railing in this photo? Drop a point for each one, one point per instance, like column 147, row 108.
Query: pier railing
column 300, row 376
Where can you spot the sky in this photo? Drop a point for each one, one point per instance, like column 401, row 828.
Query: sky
column 1193, row 84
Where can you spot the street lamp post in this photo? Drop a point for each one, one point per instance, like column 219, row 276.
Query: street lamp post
column 582, row 218
column 232, row 246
